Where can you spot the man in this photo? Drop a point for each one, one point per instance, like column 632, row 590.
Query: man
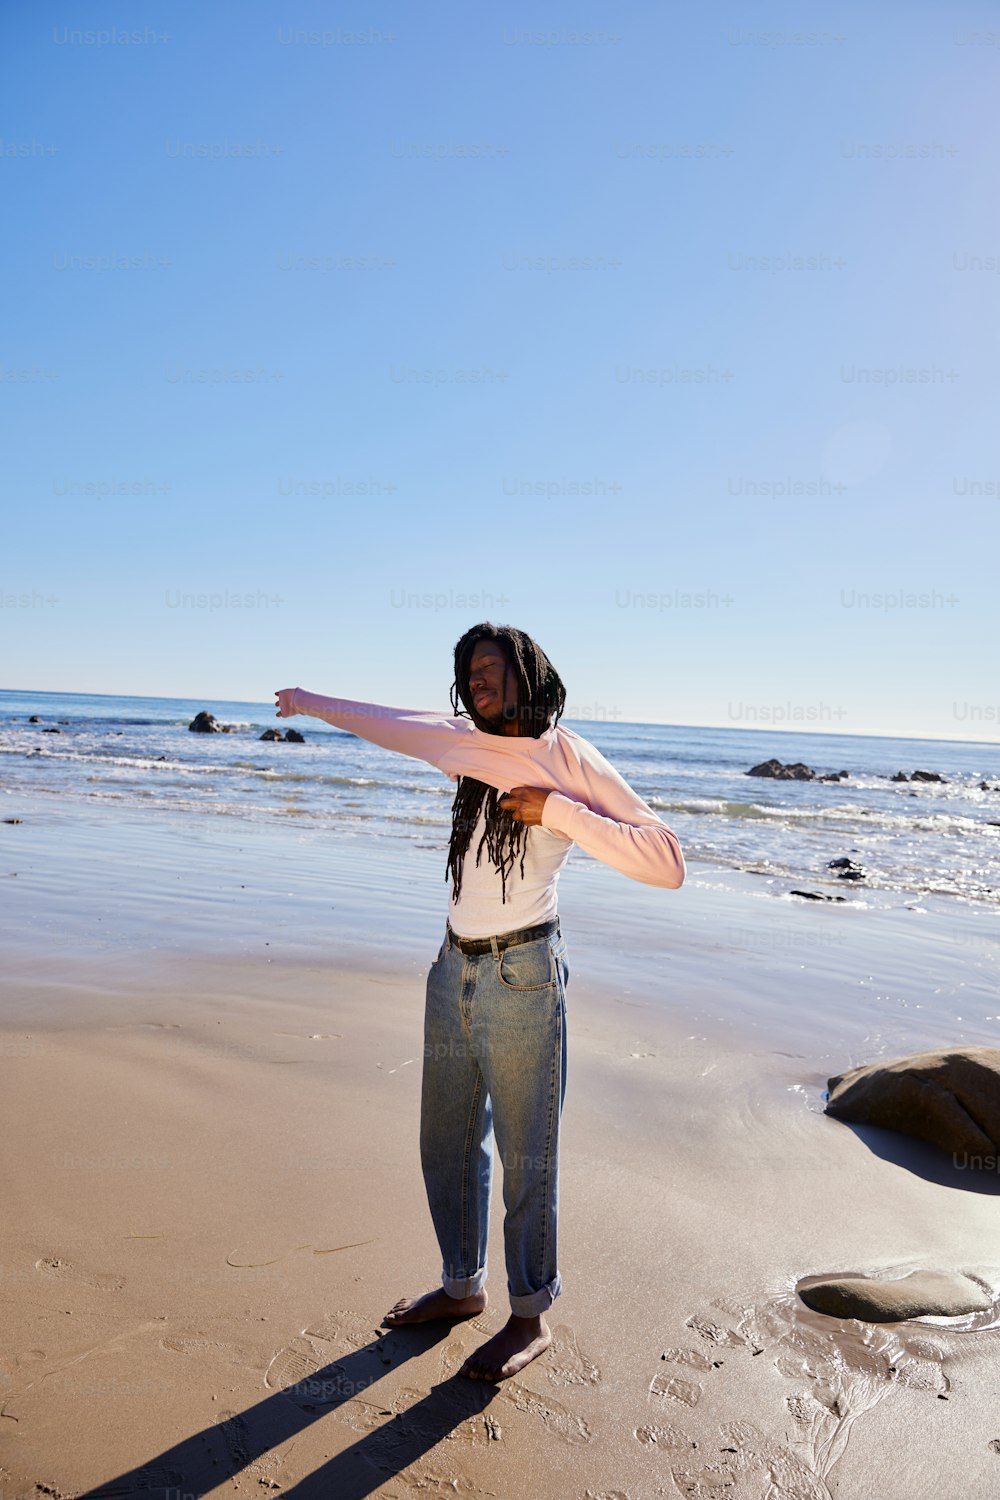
column 495, row 1017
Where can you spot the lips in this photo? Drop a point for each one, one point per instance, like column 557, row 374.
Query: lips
column 482, row 698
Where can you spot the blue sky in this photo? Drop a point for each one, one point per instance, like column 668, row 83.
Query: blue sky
column 473, row 264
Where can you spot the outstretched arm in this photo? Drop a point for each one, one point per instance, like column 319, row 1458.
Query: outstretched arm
column 424, row 734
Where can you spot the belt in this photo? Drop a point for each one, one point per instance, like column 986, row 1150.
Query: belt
column 502, row 940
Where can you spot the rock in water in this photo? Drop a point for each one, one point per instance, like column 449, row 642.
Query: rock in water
column 926, row 776
column 946, row 1294
column 272, row 734
column 204, row 723
column 951, row 1099
column 778, row 772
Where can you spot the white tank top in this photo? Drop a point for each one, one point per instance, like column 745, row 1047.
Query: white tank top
column 479, row 911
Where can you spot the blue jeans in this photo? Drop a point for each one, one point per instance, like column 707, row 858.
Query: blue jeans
column 495, row 1065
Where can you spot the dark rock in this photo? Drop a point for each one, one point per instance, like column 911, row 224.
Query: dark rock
column 872, row 1299
column 816, row 896
column 926, row 776
column 228, row 728
column 13, row 820
column 51, row 729
column 900, row 776
column 778, row 772
column 843, row 863
column 855, row 874
column 34, row 719
column 949, row 1098
column 833, row 776
column 272, row 734
column 293, row 737
column 204, row 723
column 846, row 868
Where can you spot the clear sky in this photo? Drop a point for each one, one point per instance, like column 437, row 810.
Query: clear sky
column 517, row 295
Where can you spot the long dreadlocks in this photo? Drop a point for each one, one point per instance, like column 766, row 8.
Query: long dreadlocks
column 541, row 699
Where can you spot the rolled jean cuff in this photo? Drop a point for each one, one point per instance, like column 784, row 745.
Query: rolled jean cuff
column 536, row 1302
column 466, row 1286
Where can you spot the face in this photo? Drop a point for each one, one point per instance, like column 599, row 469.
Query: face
column 492, row 688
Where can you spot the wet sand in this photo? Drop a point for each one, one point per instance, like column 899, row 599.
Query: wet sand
column 213, row 1189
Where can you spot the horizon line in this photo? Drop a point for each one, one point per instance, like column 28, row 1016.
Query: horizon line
column 630, row 723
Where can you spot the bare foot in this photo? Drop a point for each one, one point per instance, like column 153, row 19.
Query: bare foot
column 436, row 1304
column 519, row 1341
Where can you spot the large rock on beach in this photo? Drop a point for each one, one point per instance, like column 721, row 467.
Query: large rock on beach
column 949, row 1098
column 792, row 772
column 945, row 1294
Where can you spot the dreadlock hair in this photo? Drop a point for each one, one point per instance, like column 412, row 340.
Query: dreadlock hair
column 541, row 699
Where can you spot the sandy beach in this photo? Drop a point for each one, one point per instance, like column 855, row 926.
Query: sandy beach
column 212, row 1048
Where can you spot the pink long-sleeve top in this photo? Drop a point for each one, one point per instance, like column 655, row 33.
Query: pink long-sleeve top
column 589, row 803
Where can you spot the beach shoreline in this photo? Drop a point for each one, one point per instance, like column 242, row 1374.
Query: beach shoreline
column 212, row 1047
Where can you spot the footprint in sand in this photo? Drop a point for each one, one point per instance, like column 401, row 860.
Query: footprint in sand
column 311, row 1371
column 55, row 1268
column 305, row 1375
column 556, row 1418
column 563, row 1362
column 429, row 1481
column 841, row 1368
column 152, row 1476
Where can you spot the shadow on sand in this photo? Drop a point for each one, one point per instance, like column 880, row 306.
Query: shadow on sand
column 929, row 1162
column 388, row 1442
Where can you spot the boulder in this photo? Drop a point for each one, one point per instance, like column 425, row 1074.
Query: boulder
column 294, row 737
column 949, row 1098
column 51, row 729
column 792, row 772
column 900, row 776
column 944, row 1294
column 846, row 868
column 926, row 776
column 272, row 734
column 204, row 723
column 34, row 719
column 816, row 896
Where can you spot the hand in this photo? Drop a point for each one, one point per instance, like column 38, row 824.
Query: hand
column 525, row 803
column 282, row 698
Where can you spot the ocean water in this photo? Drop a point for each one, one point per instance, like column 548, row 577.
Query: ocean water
column 912, row 839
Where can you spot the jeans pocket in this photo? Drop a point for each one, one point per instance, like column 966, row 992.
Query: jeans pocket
column 560, row 955
column 527, row 966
